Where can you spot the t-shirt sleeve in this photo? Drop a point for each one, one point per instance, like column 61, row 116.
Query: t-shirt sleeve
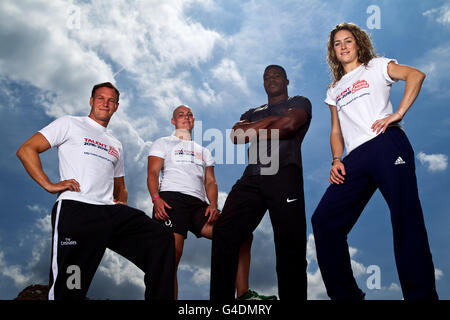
column 246, row 115
column 303, row 103
column 158, row 149
column 56, row 132
column 330, row 99
column 207, row 156
column 119, row 168
column 381, row 65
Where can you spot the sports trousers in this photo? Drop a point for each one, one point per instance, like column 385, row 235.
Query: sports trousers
column 246, row 204
column 386, row 163
column 81, row 234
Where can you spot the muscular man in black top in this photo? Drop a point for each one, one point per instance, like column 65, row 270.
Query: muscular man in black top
column 276, row 186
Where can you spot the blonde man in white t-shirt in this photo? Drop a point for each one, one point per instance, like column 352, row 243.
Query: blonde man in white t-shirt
column 91, row 212
column 179, row 199
column 379, row 156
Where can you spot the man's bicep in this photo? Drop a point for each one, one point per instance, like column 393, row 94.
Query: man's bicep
column 302, row 103
column 296, row 117
column 38, row 142
column 155, row 164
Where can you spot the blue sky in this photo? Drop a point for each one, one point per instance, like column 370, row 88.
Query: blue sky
column 209, row 55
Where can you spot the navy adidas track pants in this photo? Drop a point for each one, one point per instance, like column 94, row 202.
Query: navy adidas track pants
column 82, row 232
column 386, row 162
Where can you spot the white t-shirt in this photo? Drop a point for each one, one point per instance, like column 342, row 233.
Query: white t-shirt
column 88, row 154
column 361, row 98
column 184, row 165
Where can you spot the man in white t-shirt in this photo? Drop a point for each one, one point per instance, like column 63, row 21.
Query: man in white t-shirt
column 187, row 179
column 91, row 212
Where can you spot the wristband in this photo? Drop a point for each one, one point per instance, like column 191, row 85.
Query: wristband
column 335, row 158
column 155, row 197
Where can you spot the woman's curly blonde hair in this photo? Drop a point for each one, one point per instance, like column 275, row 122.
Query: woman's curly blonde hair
column 365, row 49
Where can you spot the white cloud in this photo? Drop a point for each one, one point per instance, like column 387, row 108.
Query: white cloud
column 440, row 15
column 227, row 72
column 222, row 197
column 265, row 226
column 144, row 203
column 358, row 268
column 44, row 224
column 9, row 97
column 434, row 162
column 269, row 26
column 436, row 65
column 145, row 41
column 199, row 275
column 394, row 287
column 316, row 287
column 150, row 40
column 436, row 62
column 120, row 270
column 438, row 274
column 41, row 53
column 14, row 272
column 37, row 242
column 37, row 208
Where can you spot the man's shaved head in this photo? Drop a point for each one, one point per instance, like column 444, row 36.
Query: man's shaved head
column 178, row 108
column 183, row 118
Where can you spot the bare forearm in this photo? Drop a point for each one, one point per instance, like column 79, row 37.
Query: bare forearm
column 28, row 154
column 413, row 85
column 337, row 144
column 32, row 163
column 413, row 78
column 121, row 195
column 256, row 125
column 287, row 125
column 244, row 132
column 120, row 192
column 212, row 192
column 153, row 184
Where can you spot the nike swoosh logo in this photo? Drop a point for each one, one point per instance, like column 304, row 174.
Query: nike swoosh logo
column 290, row 200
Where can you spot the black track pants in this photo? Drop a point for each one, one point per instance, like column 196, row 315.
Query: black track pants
column 81, row 234
column 250, row 197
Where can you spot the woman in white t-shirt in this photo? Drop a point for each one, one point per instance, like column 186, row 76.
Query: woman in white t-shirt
column 379, row 156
